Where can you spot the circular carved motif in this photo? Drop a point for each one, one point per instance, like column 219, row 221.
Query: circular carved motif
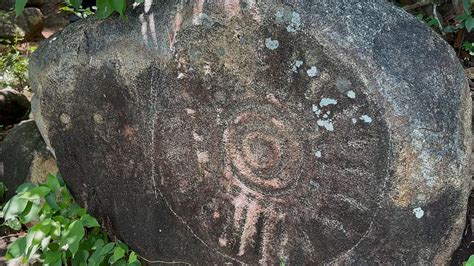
column 265, row 153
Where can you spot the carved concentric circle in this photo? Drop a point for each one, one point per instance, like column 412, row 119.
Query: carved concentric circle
column 263, row 149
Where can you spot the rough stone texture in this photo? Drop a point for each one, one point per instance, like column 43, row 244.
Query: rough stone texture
column 24, row 157
column 27, row 26
column 14, row 107
column 331, row 132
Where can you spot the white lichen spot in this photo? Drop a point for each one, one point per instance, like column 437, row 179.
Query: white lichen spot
column 354, row 121
column 180, row 75
column 327, row 101
column 419, row 213
column 367, row 119
column 318, row 154
column 295, row 22
column 296, row 65
column 351, row 94
column 325, row 115
column 271, row 44
column 316, row 110
column 279, row 14
column 327, row 124
column 312, row 72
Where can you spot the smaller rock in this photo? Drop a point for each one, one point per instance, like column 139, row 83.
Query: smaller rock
column 14, row 107
column 24, row 157
column 27, row 26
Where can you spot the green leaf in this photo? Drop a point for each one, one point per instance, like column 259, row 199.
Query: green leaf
column 73, row 236
column 53, row 183
column 118, row 5
column 89, row 221
column 467, row 7
column 80, row 259
column 132, row 258
column 13, row 224
column 19, row 6
column 25, row 187
column 30, row 213
column 51, row 200
column 17, row 248
column 60, row 179
column 104, row 9
column 469, row 23
column 14, row 207
column 35, row 193
column 76, row 3
column 100, row 252
column 52, row 258
column 118, row 254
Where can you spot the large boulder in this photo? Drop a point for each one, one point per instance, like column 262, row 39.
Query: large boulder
column 26, row 26
column 24, row 157
column 245, row 132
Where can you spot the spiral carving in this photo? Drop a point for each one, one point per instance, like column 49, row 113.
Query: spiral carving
column 263, row 149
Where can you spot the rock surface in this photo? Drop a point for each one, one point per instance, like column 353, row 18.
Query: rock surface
column 14, row 107
column 27, row 26
column 24, row 157
column 262, row 133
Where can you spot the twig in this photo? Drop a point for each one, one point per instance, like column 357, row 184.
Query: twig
column 163, row 262
column 12, row 235
column 419, row 4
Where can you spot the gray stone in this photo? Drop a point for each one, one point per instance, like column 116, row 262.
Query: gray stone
column 27, row 26
column 236, row 141
column 24, row 157
column 14, row 107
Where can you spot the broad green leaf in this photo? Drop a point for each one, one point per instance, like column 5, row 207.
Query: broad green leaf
column 118, row 254
column 467, row 6
column 60, row 179
column 19, row 6
column 132, row 258
column 51, row 200
column 53, row 183
column 104, row 9
column 35, row 193
column 14, row 207
column 25, row 187
column 89, row 221
column 17, row 248
column 118, row 5
column 72, row 236
column 80, row 259
column 30, row 213
column 76, row 3
column 469, row 23
column 52, row 258
column 99, row 255
column 13, row 224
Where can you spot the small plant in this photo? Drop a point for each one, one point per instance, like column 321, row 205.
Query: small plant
column 78, row 10
column 470, row 261
column 59, row 232
column 466, row 21
column 14, row 65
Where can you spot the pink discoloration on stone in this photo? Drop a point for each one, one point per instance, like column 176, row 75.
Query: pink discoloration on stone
column 272, row 99
column 190, row 111
column 250, row 227
column 197, row 137
column 222, row 242
column 198, row 7
column 216, row 215
column 231, row 7
column 240, row 203
column 203, row 157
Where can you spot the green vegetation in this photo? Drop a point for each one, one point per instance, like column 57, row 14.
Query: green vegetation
column 104, row 9
column 14, row 65
column 59, row 232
